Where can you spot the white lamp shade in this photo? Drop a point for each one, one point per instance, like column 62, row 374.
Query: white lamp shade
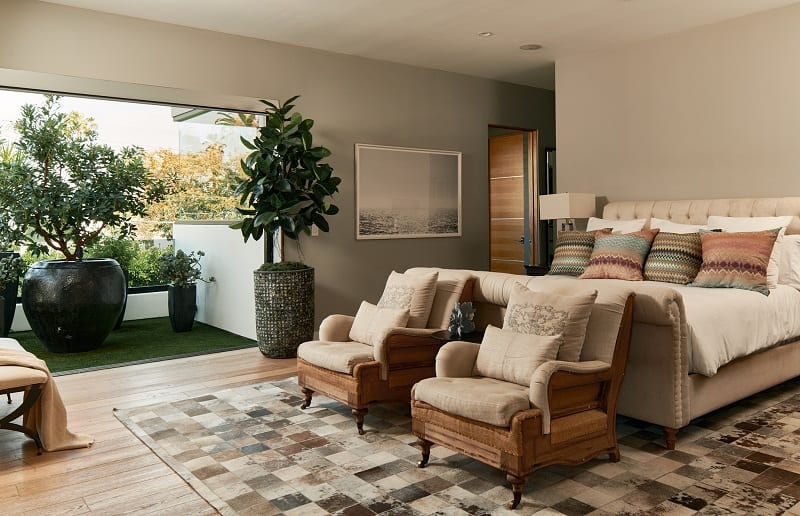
column 566, row 206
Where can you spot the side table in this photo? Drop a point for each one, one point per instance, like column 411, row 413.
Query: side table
column 537, row 270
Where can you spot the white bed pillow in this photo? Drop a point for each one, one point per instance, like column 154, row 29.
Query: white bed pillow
column 745, row 224
column 790, row 261
column 667, row 226
column 616, row 226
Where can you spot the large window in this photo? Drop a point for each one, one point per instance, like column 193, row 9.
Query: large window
column 195, row 151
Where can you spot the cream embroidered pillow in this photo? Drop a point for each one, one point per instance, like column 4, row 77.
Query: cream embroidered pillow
column 551, row 315
column 372, row 324
column 513, row 357
column 412, row 292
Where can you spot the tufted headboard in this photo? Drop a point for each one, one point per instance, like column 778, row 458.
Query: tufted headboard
column 697, row 211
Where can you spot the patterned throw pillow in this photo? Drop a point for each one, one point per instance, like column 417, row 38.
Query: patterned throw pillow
column 549, row 314
column 736, row 260
column 572, row 252
column 412, row 292
column 674, row 258
column 619, row 256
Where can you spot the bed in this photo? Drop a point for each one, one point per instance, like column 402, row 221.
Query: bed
column 666, row 382
column 693, row 349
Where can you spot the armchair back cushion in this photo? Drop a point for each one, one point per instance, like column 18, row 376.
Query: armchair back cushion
column 513, row 357
column 550, row 314
column 411, row 292
column 372, row 323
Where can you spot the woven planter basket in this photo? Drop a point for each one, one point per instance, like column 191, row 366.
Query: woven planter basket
column 284, row 311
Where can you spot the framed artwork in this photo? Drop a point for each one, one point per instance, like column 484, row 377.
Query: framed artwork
column 407, row 193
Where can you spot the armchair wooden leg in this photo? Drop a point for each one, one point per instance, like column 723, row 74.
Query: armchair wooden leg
column 671, row 436
column 9, row 397
column 359, row 415
column 425, row 446
column 516, row 489
column 613, row 454
column 308, row 393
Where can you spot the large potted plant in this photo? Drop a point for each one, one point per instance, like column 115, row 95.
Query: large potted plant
column 286, row 190
column 183, row 272
column 63, row 193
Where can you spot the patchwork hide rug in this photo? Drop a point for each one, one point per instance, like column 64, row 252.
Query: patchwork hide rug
column 252, row 450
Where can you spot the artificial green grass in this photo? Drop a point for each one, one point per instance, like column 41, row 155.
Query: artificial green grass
column 139, row 340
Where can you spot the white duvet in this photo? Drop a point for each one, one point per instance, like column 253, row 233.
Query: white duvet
column 728, row 323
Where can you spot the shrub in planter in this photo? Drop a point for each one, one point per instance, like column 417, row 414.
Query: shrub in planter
column 62, row 193
column 183, row 272
column 11, row 270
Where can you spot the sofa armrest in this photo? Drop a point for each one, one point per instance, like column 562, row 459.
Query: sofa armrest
column 554, row 378
column 456, row 359
column 336, row 328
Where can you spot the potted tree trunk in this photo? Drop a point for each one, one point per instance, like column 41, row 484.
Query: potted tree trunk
column 183, row 272
column 63, row 193
column 286, row 191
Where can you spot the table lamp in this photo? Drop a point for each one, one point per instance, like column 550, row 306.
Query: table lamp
column 567, row 207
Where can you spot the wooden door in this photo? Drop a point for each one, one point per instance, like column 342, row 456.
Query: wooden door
column 507, row 221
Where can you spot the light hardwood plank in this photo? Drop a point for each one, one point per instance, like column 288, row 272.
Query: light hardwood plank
column 119, row 474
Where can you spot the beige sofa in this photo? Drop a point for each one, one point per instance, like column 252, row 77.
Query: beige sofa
column 658, row 386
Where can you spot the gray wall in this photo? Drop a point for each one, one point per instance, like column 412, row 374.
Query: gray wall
column 708, row 113
column 353, row 100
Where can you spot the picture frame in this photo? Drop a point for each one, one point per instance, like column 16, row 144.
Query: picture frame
column 407, row 193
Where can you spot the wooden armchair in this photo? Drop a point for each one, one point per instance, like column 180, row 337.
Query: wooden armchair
column 358, row 374
column 570, row 415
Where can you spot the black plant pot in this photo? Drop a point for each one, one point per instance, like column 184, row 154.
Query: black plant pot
column 73, row 305
column 182, row 304
column 118, row 324
column 10, row 294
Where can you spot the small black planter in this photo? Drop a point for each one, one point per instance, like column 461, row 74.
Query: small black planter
column 73, row 305
column 182, row 303
column 10, row 294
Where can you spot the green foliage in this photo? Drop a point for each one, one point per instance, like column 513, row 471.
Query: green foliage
column 11, row 270
column 145, row 268
column 182, row 269
column 119, row 248
column 287, row 185
column 283, row 266
column 67, row 188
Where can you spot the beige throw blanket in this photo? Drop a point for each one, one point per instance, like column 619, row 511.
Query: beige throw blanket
column 48, row 416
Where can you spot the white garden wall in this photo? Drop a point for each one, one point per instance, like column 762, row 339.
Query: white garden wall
column 228, row 302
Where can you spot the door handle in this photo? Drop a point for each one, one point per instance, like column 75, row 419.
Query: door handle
column 521, row 240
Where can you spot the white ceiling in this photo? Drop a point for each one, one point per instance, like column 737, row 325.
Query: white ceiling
column 442, row 34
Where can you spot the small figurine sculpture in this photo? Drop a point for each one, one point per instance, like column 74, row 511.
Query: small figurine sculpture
column 461, row 320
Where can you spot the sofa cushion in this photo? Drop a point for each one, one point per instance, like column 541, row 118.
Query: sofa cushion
column 372, row 323
column 452, row 286
column 513, row 357
column 336, row 356
column 412, row 292
column 550, row 314
column 481, row 399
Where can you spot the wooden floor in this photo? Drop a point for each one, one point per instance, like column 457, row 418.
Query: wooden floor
column 119, row 474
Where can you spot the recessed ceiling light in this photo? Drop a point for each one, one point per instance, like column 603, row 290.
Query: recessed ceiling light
column 485, row 34
column 530, row 46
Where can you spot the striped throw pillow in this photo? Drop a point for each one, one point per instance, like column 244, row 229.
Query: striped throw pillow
column 674, row 258
column 736, row 260
column 619, row 256
column 572, row 252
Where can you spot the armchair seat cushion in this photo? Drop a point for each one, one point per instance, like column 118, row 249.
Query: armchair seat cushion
column 481, row 399
column 336, row 356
